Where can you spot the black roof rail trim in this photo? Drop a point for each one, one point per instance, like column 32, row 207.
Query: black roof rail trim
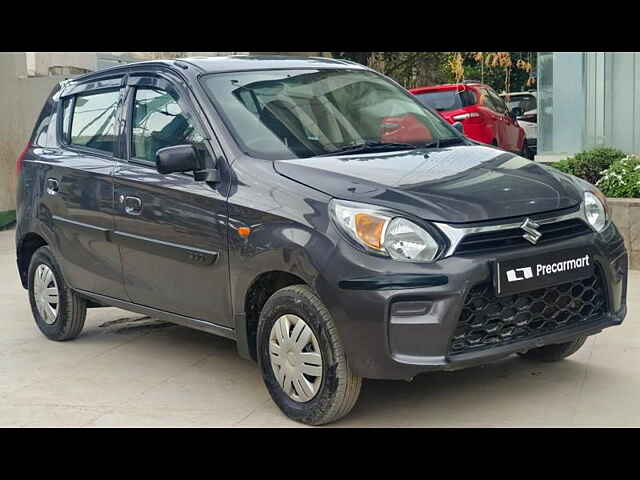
column 184, row 64
column 117, row 70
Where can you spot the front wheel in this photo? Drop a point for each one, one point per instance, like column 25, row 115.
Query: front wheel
column 302, row 359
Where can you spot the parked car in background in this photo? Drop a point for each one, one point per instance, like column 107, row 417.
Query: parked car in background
column 527, row 103
column 484, row 115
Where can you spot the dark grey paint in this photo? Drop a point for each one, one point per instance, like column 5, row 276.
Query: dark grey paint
column 179, row 256
column 174, row 251
column 454, row 185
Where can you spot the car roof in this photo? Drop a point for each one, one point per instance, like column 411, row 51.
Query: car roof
column 446, row 86
column 225, row 64
column 533, row 92
column 266, row 62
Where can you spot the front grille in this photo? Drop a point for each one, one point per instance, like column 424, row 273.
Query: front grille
column 513, row 237
column 488, row 321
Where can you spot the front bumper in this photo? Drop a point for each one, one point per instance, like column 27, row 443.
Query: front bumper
column 381, row 344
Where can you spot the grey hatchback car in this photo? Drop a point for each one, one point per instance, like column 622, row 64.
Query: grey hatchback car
column 314, row 212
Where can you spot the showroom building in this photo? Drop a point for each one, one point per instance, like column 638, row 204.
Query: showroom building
column 587, row 99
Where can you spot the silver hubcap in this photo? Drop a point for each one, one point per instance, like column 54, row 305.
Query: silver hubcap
column 295, row 358
column 45, row 292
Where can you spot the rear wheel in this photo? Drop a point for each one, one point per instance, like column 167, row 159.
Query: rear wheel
column 302, row 359
column 58, row 311
column 554, row 353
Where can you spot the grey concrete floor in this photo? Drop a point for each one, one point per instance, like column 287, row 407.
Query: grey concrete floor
column 125, row 370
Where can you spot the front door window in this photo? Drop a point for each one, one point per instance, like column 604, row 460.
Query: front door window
column 159, row 122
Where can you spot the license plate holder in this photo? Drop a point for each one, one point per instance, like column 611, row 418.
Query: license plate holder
column 543, row 270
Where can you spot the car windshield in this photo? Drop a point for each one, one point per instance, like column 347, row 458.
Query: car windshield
column 525, row 102
column 285, row 114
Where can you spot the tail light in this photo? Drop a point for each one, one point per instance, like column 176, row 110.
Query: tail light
column 20, row 160
column 465, row 116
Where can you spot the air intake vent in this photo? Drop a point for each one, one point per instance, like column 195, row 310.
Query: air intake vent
column 488, row 321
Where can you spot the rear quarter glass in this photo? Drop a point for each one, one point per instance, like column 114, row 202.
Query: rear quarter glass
column 43, row 134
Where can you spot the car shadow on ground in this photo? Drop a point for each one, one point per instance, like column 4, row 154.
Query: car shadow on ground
column 503, row 392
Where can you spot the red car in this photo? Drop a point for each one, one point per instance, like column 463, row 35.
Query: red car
column 484, row 115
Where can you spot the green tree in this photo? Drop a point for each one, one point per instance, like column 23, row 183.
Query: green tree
column 410, row 69
column 514, row 71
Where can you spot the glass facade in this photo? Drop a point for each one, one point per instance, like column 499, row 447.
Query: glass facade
column 561, row 102
column 588, row 99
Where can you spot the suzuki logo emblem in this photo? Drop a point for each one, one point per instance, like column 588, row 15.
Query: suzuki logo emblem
column 532, row 235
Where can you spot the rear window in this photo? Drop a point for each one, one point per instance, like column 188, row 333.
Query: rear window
column 92, row 121
column 444, row 100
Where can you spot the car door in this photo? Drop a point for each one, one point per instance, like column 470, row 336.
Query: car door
column 78, row 190
column 509, row 129
column 171, row 230
column 491, row 117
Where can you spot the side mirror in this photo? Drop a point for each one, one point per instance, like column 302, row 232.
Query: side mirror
column 516, row 112
column 458, row 126
column 177, row 159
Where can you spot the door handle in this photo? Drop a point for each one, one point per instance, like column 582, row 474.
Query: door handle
column 53, row 186
column 132, row 205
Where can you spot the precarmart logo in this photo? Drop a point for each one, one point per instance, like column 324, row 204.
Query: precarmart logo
column 542, row 269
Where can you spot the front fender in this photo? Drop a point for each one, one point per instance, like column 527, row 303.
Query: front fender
column 281, row 246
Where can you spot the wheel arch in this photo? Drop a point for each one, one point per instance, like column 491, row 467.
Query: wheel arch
column 263, row 286
column 26, row 247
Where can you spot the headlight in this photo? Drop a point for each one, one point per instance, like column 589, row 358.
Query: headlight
column 595, row 210
column 382, row 233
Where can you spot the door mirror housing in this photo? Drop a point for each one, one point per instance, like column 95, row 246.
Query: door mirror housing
column 176, row 159
column 516, row 112
column 459, row 127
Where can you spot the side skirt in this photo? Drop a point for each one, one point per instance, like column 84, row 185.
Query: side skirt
column 162, row 315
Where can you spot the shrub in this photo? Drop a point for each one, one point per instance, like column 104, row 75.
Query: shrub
column 622, row 178
column 564, row 166
column 590, row 164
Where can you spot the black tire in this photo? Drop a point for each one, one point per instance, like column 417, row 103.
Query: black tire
column 554, row 353
column 339, row 388
column 526, row 153
column 71, row 309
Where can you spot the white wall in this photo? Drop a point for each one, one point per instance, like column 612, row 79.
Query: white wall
column 21, row 101
column 38, row 63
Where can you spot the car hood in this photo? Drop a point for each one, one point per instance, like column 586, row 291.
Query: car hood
column 459, row 184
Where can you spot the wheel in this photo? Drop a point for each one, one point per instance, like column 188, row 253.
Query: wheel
column 302, row 359
column 525, row 152
column 58, row 311
column 554, row 353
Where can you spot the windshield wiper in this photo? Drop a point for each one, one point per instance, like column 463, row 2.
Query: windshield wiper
column 368, row 147
column 444, row 142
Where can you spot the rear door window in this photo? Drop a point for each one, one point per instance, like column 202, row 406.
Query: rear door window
column 93, row 120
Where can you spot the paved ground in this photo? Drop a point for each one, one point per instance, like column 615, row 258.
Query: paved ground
column 125, row 370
